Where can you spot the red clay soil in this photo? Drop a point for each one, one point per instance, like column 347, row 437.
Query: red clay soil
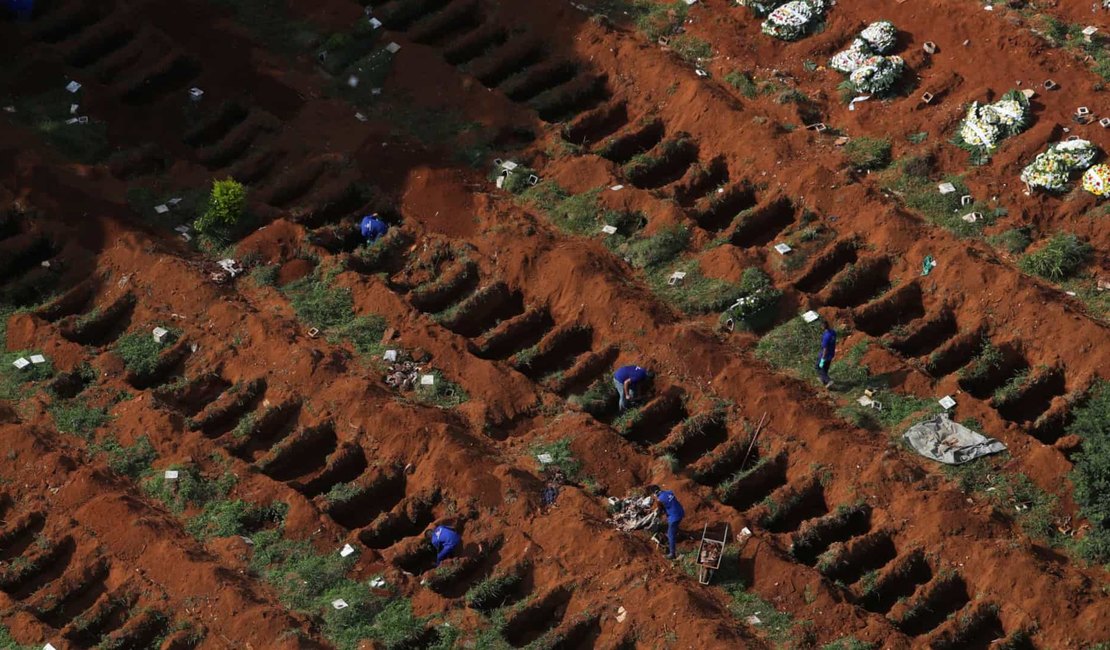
column 917, row 539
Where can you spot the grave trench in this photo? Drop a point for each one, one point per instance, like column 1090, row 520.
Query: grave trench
column 222, row 415
column 216, row 125
column 901, row 581
column 138, row 631
column 239, row 139
column 24, row 254
column 75, row 597
column 701, row 180
column 474, row 43
column 956, row 353
column 596, row 124
column 860, row 556
column 563, row 102
column 635, row 140
column 857, row 284
column 536, row 79
column 333, row 202
column 897, row 308
column 521, row 585
column 11, row 224
column 697, row 437
column 512, row 335
column 343, row 466
column 29, row 288
column 99, row 328
column 1035, row 397
column 170, row 363
column 926, row 336
column 304, row 453
column 940, row 598
column 386, row 256
column 144, row 160
column 18, row 536
column 169, row 75
column 99, row 42
column 710, row 470
column 1050, row 425
column 996, row 376
column 507, row 59
column 418, row 559
column 581, row 633
column 674, row 157
column 762, row 224
column 75, row 300
column 111, row 65
column 537, row 618
column 377, row 496
column 336, row 239
column 294, row 183
column 557, row 350
column 978, row 633
column 44, row 568
column 840, row 526
column 255, row 167
column 475, row 567
column 827, row 265
column 270, row 428
column 449, row 286
column 196, row 394
column 458, row 17
column 585, row 371
column 108, row 614
column 797, row 504
column 483, row 309
column 717, row 211
column 408, row 518
column 69, row 20
column 657, row 418
column 759, row 482
column 399, row 15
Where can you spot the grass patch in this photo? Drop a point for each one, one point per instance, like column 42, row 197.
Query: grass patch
column 270, row 22
column 561, row 457
column 911, row 181
column 698, row 293
column 495, row 590
column 794, row 346
column 442, row 394
column 77, row 417
column 897, row 408
column 225, row 518
column 132, row 461
column 651, row 251
column 1091, row 473
column 16, row 384
column 743, row 83
column 139, row 351
column 8, row 643
column 848, row 643
column 142, row 200
column 757, row 301
column 331, row 309
column 1096, row 52
column 1058, row 259
column 1013, row 494
column 868, row 154
column 191, row 488
column 1014, row 241
column 46, row 115
column 989, row 358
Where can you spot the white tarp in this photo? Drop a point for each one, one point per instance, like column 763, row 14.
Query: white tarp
column 950, row 442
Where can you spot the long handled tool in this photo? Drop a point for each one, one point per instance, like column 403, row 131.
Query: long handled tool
column 755, row 436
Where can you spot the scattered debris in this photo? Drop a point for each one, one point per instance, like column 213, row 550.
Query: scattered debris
column 928, row 265
column 945, row 441
column 403, row 374
column 632, row 513
column 228, row 270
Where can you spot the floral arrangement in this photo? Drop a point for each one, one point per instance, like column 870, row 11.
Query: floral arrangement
column 880, row 36
column 1096, row 180
column 762, row 7
column 1052, row 169
column 988, row 124
column 877, row 74
column 794, row 19
column 870, row 70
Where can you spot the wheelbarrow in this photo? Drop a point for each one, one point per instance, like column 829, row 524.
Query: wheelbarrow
column 711, row 551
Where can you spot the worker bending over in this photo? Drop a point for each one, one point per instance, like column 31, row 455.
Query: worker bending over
column 669, row 504
column 630, row 381
column 444, row 539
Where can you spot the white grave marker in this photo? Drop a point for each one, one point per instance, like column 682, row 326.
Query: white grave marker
column 810, row 316
column 161, row 208
column 427, row 380
column 966, row 199
column 946, row 188
column 930, row 47
column 160, row 334
column 73, row 86
column 1104, row 122
column 352, row 81
column 360, row 117
column 37, row 359
column 509, row 165
column 171, row 474
column 783, row 248
column 346, row 550
column 609, row 230
column 1082, row 111
column 174, row 201
column 700, row 72
column 972, row 217
column 48, row 647
column 374, row 22
column 392, row 48
column 617, row 188
column 195, row 94
column 947, row 402
column 676, row 278
column 73, row 108
column 390, row 355
column 21, row 363
column 339, row 603
column 545, row 458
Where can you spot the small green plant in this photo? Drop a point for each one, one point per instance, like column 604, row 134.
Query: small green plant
column 265, row 275
column 989, row 359
column 757, row 300
column 1013, row 241
column 234, row 517
column 494, row 591
column 917, row 138
column 139, row 352
column 77, row 417
column 331, row 309
column 690, row 48
column 1091, row 472
column 868, row 153
column 191, row 488
column 743, row 83
column 1058, row 259
column 15, row 384
column 132, row 461
column 848, row 643
column 561, row 457
column 442, row 393
column 226, row 210
column 1010, row 390
column 698, row 293
column 47, row 114
column 651, row 251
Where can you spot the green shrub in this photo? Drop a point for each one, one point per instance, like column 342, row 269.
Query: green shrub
column 130, row 461
column 77, row 417
column 237, row 517
column 1059, row 259
column 1091, row 472
column 742, row 82
column 189, row 489
column 646, row 252
column 139, row 351
column 868, row 153
column 225, row 211
column 1013, row 241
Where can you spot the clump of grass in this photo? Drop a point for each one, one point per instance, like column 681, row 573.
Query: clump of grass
column 897, row 407
column 132, row 461
column 331, row 309
column 868, row 154
column 495, row 590
column 1010, row 390
column 658, row 19
column 599, row 397
column 742, row 82
column 848, row 643
column 139, row 351
column 691, row 48
column 47, row 113
column 698, row 293
column 757, row 300
column 988, row 359
column 1013, row 241
column 77, row 417
column 1060, row 258
column 443, row 393
column 910, row 179
column 16, row 384
column 651, row 251
column 1091, row 472
column 191, row 488
column 561, row 457
column 271, row 23
column 225, row 518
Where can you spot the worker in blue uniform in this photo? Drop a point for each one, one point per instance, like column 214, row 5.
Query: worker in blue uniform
column 444, row 539
column 629, row 381
column 668, row 502
column 372, row 227
column 828, row 351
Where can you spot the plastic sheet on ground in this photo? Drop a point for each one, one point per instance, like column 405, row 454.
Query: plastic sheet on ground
column 950, row 442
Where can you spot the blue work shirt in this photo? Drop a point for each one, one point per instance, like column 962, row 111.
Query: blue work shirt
column 828, row 344
column 373, row 227
column 671, row 505
column 635, row 373
column 23, row 9
column 444, row 540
